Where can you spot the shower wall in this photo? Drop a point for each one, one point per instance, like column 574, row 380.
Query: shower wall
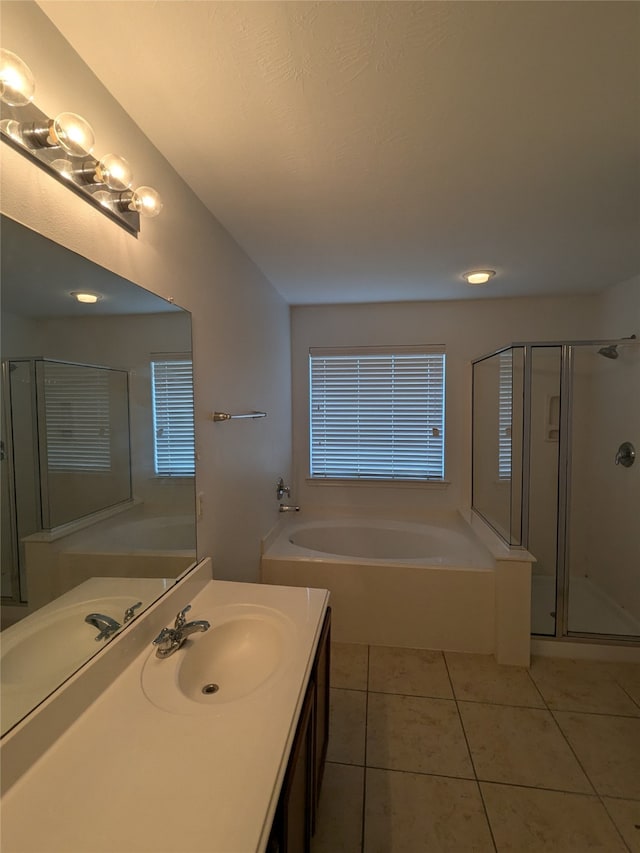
column 605, row 545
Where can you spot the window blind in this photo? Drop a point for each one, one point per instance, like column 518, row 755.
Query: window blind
column 77, row 417
column 377, row 415
column 172, row 385
column 505, row 395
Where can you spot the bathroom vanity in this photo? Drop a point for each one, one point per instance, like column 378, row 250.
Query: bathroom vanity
column 157, row 763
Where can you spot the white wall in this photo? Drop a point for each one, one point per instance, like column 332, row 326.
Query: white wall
column 468, row 329
column 240, row 323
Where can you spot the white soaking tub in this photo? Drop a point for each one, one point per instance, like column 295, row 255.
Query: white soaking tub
column 428, row 584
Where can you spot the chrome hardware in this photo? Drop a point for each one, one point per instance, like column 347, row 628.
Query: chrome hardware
column 128, row 613
column 282, row 490
column 169, row 640
column 626, row 454
column 289, row 508
column 217, row 417
column 105, row 624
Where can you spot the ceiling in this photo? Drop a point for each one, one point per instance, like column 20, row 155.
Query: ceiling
column 375, row 151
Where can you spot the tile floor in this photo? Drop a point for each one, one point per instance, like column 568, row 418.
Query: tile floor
column 433, row 751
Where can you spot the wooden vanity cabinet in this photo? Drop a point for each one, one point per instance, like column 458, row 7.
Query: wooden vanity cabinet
column 295, row 819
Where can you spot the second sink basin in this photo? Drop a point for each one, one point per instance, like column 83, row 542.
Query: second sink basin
column 244, row 651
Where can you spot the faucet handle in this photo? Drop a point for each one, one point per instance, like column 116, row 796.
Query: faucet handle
column 181, row 619
column 167, row 635
column 129, row 612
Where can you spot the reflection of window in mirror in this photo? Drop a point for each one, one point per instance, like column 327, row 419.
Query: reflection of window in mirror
column 172, row 390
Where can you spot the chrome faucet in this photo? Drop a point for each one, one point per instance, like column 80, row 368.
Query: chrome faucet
column 105, row 624
column 169, row 640
column 282, row 490
column 289, row 508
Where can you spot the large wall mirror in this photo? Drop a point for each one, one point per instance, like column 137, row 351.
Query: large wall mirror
column 97, row 460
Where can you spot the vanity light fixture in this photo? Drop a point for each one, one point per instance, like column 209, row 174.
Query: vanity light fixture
column 63, row 146
column 87, row 298
column 478, row 276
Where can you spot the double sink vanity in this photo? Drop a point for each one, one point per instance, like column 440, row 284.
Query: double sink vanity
column 217, row 745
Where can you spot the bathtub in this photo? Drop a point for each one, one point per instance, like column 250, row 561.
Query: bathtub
column 428, row 584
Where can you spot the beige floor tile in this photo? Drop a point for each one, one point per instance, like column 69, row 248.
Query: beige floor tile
column 339, row 823
column 529, row 820
column 416, row 734
column 609, row 750
column 627, row 675
column 347, row 726
column 581, row 685
column 478, row 678
column 520, row 746
column 410, row 813
column 349, row 666
column 626, row 816
column 414, row 672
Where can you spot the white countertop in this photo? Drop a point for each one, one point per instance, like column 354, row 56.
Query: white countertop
column 129, row 777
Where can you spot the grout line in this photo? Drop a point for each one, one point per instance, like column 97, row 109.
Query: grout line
column 364, row 775
column 473, row 766
column 615, row 825
column 573, row 752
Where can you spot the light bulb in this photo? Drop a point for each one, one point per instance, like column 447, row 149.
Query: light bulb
column 479, row 276
column 13, row 129
column 64, row 167
column 146, row 201
column 17, row 85
column 73, row 134
column 115, row 172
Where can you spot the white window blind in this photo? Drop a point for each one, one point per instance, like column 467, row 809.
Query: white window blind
column 172, row 384
column 77, row 417
column 505, row 395
column 377, row 414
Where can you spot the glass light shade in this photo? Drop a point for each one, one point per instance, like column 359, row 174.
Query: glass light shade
column 87, row 298
column 146, row 201
column 73, row 134
column 17, row 85
column 479, row 276
column 115, row 172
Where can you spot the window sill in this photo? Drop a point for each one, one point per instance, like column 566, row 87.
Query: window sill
column 385, row 484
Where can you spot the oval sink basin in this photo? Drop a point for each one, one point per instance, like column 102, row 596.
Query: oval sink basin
column 50, row 649
column 243, row 652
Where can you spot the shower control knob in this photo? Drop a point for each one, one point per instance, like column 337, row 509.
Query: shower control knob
column 626, row 454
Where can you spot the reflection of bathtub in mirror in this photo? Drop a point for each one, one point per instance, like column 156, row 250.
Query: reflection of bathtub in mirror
column 45, row 648
column 136, row 543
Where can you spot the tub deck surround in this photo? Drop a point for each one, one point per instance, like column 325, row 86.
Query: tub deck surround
column 137, row 778
column 434, row 584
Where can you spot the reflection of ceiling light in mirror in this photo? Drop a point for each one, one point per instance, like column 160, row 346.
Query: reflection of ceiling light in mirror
column 17, row 85
column 479, row 276
column 88, row 298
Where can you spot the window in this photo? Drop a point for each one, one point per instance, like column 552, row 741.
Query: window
column 172, row 386
column 377, row 414
column 505, row 394
column 77, row 417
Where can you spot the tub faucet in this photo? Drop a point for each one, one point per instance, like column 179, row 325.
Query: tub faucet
column 169, row 640
column 105, row 624
column 289, row 508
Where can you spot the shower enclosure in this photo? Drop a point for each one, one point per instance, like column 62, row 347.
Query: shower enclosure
column 65, row 452
column 556, row 432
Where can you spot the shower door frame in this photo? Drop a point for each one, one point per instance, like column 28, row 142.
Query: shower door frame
column 563, row 515
column 563, row 577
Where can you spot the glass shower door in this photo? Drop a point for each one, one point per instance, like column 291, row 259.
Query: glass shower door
column 603, row 553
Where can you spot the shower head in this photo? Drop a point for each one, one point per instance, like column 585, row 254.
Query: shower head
column 610, row 351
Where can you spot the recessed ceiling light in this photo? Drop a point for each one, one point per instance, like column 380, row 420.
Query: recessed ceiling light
column 479, row 276
column 88, row 298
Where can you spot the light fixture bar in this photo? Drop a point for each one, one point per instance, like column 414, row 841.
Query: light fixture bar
column 97, row 194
